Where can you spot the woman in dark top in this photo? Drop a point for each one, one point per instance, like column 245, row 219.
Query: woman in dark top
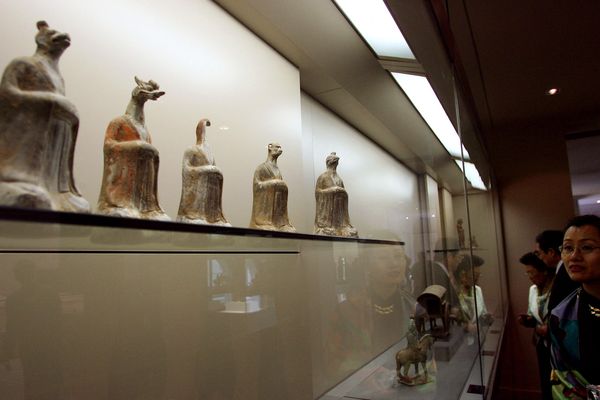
column 576, row 320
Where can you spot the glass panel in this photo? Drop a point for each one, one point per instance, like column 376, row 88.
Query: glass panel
column 105, row 312
column 480, row 279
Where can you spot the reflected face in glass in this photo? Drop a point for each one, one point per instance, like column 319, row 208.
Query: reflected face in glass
column 546, row 257
column 536, row 277
column 583, row 268
column 469, row 279
column 387, row 266
column 453, row 259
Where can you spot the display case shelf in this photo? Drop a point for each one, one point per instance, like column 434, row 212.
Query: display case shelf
column 96, row 222
column 173, row 303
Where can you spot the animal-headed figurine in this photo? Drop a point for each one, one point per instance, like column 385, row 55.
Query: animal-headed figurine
column 270, row 195
column 202, row 186
column 129, row 183
column 38, row 130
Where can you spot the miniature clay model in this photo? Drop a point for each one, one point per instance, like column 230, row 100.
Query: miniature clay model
column 432, row 305
column 270, row 193
column 414, row 354
column 202, row 184
column 331, row 216
column 38, row 130
column 129, row 183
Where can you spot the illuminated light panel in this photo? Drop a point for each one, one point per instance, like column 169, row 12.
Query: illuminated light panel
column 376, row 25
column 421, row 94
column 472, row 174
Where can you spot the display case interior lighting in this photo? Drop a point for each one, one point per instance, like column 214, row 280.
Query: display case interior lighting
column 421, row 94
column 472, row 174
column 373, row 21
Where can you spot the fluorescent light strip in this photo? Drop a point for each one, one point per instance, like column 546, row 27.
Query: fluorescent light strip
column 377, row 26
column 421, row 94
column 472, row 174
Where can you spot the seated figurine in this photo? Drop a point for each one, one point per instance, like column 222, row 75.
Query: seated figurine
column 129, row 183
column 270, row 193
column 331, row 216
column 202, row 184
column 38, row 130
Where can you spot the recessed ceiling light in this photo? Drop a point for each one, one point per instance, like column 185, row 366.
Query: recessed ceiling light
column 423, row 97
column 377, row 26
column 597, row 201
column 472, row 174
column 552, row 91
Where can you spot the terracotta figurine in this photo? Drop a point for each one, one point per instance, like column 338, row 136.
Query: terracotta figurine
column 414, row 354
column 129, row 184
column 270, row 193
column 202, row 184
column 331, row 216
column 38, row 130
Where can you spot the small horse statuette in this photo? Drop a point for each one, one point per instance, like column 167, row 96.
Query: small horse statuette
column 415, row 354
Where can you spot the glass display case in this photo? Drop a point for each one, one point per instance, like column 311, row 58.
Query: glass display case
column 100, row 307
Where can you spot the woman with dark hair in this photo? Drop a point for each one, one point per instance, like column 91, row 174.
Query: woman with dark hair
column 575, row 322
column 471, row 305
column 541, row 276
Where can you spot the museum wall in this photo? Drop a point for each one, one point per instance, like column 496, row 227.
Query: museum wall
column 535, row 194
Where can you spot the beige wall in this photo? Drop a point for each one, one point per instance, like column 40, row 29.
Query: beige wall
column 534, row 188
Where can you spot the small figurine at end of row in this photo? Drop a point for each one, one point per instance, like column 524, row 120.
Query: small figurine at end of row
column 202, row 186
column 129, row 183
column 332, row 216
column 270, row 194
column 415, row 354
column 38, row 130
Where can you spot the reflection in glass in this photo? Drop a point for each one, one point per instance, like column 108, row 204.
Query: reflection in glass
column 373, row 312
column 33, row 335
column 137, row 351
column 439, row 270
column 245, row 344
column 471, row 304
